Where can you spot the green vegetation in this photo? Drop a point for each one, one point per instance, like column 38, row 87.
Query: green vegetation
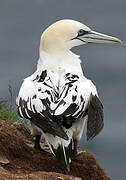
column 7, row 113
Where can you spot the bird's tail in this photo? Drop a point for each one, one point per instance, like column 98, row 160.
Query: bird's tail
column 63, row 155
column 61, row 148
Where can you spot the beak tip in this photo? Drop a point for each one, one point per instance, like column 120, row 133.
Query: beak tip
column 120, row 42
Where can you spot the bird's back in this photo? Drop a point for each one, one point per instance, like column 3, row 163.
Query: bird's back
column 56, row 94
column 56, row 103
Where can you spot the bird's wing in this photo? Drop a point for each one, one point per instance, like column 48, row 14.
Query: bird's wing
column 53, row 101
column 95, row 120
column 33, row 103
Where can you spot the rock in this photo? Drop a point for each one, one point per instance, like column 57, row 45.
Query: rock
column 3, row 159
column 21, row 161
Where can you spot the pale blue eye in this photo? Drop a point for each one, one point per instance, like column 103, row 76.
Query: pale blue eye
column 82, row 32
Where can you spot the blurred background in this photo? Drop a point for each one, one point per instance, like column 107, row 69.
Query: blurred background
column 21, row 25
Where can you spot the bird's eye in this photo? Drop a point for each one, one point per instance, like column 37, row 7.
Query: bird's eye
column 82, row 32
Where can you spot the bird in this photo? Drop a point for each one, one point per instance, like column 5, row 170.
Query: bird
column 58, row 98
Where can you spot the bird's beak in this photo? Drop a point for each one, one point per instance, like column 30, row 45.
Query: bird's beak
column 95, row 37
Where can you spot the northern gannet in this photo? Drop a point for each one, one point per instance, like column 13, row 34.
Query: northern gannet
column 58, row 97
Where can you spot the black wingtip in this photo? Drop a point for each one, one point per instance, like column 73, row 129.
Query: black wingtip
column 90, row 137
column 95, row 121
column 47, row 125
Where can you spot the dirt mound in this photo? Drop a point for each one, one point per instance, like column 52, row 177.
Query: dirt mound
column 19, row 160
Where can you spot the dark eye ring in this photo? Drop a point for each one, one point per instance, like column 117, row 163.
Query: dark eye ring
column 82, row 32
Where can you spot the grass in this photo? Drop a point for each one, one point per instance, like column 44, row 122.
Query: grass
column 6, row 113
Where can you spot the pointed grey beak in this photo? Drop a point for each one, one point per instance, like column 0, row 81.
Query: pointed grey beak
column 95, row 37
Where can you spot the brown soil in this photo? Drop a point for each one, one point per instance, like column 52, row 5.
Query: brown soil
column 19, row 160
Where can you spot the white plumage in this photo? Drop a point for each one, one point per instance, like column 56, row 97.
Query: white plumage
column 57, row 97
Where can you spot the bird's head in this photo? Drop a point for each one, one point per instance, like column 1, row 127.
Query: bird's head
column 65, row 34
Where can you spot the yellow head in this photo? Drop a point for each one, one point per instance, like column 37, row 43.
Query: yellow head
column 65, row 34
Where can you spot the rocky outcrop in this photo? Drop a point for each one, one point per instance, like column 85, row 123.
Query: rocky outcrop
column 19, row 160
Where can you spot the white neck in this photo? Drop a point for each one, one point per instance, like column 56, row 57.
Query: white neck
column 67, row 61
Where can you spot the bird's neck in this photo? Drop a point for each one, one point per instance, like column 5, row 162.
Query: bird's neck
column 63, row 61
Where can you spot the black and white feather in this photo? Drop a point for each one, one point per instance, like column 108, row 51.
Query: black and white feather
column 56, row 104
column 57, row 98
